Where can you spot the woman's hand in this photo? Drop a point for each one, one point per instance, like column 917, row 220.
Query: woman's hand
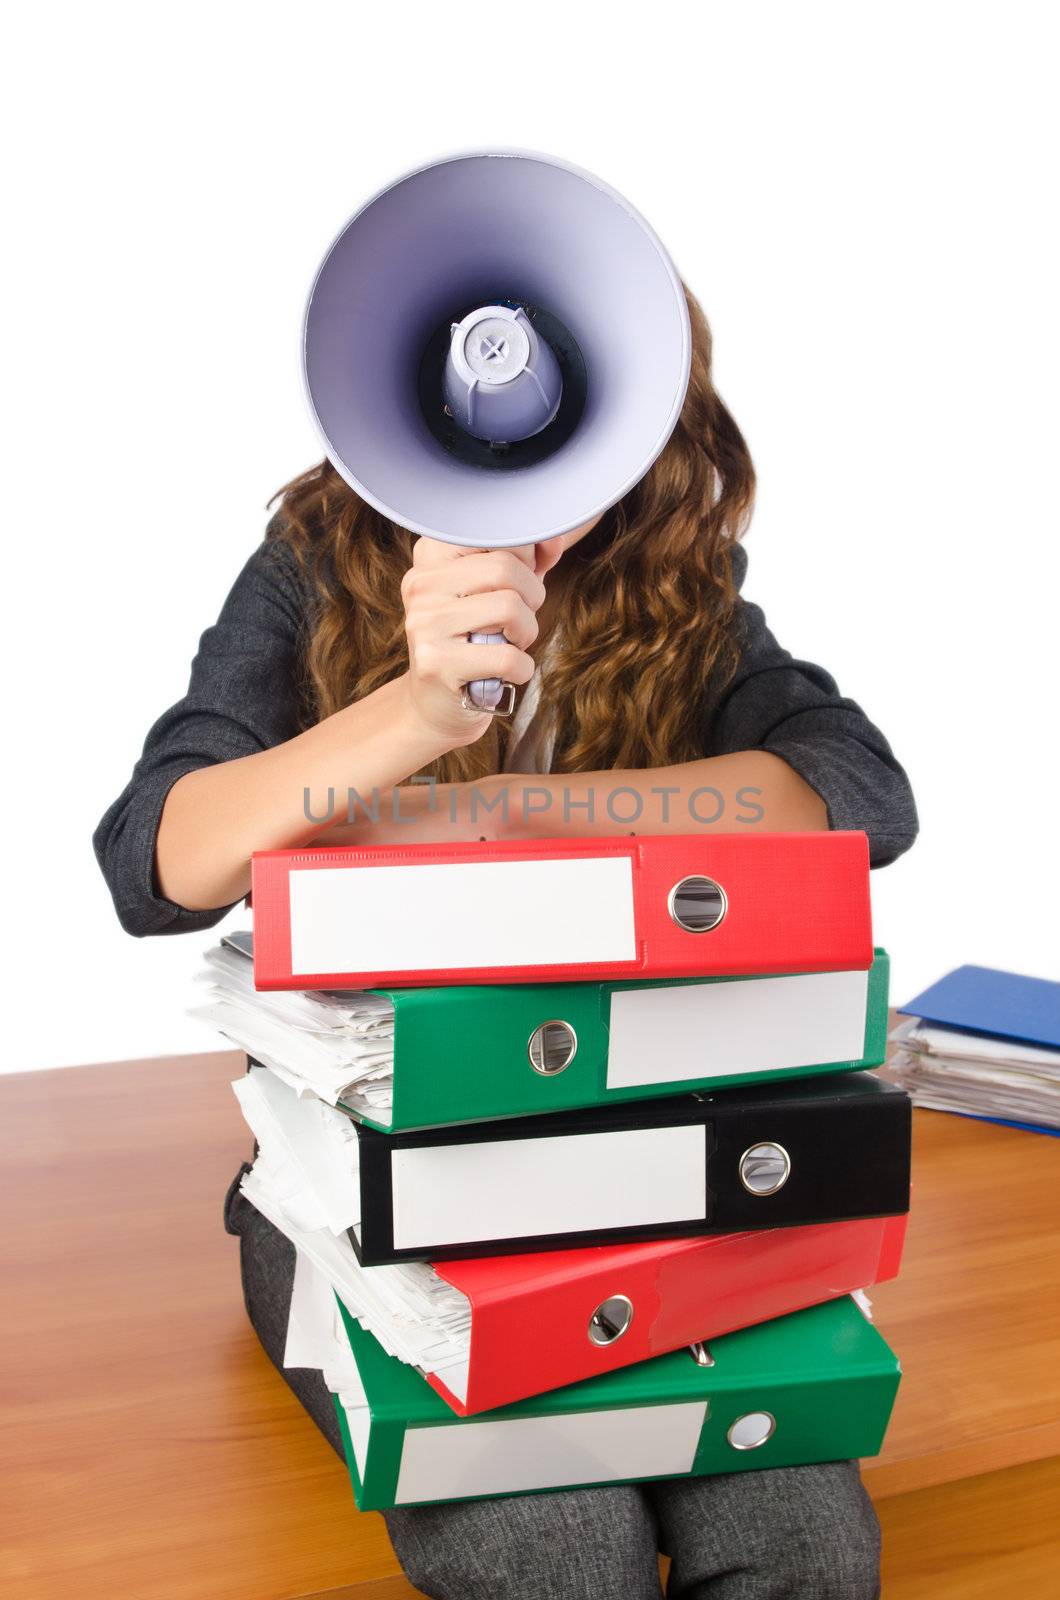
column 448, row 593
column 215, row 817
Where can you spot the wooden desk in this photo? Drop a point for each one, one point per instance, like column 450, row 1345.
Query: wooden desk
column 151, row 1452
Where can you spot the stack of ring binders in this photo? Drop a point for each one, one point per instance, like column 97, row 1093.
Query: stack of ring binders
column 578, row 1149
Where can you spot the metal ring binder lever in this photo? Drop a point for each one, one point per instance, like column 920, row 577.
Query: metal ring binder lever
column 752, row 1430
column 697, row 904
column 552, row 1046
column 764, row 1168
column 611, row 1319
column 700, row 1354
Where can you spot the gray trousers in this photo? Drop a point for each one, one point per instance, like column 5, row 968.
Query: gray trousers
column 790, row 1533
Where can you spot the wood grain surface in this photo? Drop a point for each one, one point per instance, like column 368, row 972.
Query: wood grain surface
column 971, row 1539
column 975, row 1313
column 150, row 1451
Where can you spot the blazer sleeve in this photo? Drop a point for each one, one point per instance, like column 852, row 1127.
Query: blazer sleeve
column 794, row 709
column 242, row 698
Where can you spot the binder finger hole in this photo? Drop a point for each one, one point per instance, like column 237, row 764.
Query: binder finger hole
column 697, row 904
column 752, row 1430
column 764, row 1168
column 610, row 1319
column 552, row 1047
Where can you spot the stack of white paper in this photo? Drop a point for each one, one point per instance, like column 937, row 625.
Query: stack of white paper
column 310, row 1150
column 951, row 1071
column 305, row 1180
column 316, row 1337
column 338, row 1044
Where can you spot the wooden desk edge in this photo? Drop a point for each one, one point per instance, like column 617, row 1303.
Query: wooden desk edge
column 971, row 1460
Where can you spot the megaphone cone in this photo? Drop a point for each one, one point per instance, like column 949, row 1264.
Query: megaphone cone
column 496, row 348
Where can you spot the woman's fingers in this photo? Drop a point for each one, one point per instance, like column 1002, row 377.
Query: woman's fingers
column 469, row 572
column 428, row 552
column 453, row 663
column 499, row 569
column 449, row 593
column 441, row 618
column 501, row 612
column 467, row 662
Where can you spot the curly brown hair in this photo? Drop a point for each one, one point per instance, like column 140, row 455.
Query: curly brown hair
column 649, row 606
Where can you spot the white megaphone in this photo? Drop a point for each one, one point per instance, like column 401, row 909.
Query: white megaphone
column 496, row 348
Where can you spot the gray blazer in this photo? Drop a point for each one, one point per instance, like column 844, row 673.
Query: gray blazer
column 244, row 696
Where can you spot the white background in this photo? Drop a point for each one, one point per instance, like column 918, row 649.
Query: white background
column 862, row 197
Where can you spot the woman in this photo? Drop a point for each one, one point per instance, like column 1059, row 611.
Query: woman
column 654, row 700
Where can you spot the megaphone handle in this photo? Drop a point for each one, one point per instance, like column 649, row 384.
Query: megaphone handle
column 490, row 694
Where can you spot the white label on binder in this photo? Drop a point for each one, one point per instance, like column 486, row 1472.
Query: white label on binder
column 470, row 914
column 525, row 1188
column 701, row 1030
column 454, row 1379
column 452, row 1461
column 359, row 1427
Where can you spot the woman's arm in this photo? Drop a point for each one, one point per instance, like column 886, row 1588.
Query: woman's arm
column 215, row 817
column 229, row 770
column 748, row 790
